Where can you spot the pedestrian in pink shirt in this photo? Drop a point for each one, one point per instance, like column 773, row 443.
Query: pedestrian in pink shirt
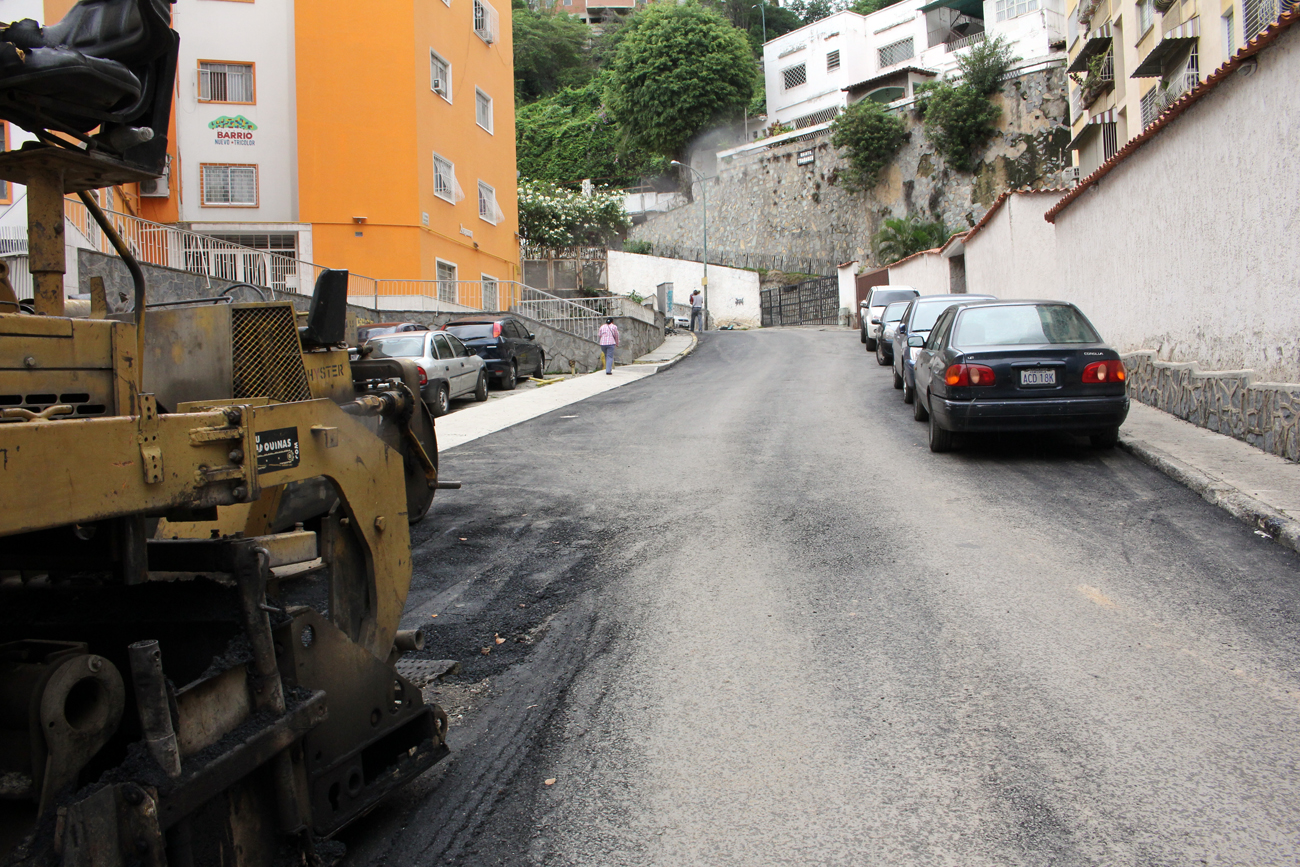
column 608, row 340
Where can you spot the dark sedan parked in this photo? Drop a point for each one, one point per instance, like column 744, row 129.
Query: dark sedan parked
column 505, row 345
column 1018, row 366
column 918, row 319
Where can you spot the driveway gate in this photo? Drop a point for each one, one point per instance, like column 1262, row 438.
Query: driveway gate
column 812, row 302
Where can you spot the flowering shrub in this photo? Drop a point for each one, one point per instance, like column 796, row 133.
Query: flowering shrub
column 551, row 216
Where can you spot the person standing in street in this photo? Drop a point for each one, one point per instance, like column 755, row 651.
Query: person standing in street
column 697, row 310
column 608, row 340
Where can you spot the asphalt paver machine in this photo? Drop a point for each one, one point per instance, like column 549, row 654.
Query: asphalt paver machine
column 204, row 540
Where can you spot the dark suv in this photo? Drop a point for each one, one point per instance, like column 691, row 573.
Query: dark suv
column 505, row 345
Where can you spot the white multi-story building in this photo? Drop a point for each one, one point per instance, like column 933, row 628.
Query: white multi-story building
column 814, row 72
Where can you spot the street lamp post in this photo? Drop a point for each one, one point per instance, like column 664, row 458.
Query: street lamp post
column 762, row 10
column 704, row 202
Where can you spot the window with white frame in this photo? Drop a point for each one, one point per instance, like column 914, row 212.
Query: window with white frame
column 795, row 76
column 225, row 82
column 439, row 75
column 1006, row 9
column 485, row 21
column 897, row 52
column 229, row 185
column 483, row 109
column 1146, row 16
column 1229, row 35
column 832, row 60
column 444, row 180
column 490, row 294
column 446, row 272
column 487, row 204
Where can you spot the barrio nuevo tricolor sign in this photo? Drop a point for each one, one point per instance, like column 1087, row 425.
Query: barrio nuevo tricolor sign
column 237, row 130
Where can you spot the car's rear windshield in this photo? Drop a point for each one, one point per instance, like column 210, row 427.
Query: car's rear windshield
column 1021, row 325
column 881, row 297
column 397, row 347
column 894, row 312
column 470, row 332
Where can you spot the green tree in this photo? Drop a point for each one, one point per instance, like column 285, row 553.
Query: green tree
column 814, row 10
column 870, row 135
column 550, row 216
column 677, row 70
column 866, row 7
column 899, row 238
column 984, row 65
column 961, row 118
column 550, row 52
column 568, row 136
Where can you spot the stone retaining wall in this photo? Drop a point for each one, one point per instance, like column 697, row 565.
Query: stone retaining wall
column 1265, row 414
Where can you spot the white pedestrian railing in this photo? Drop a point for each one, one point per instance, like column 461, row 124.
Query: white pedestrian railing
column 964, row 42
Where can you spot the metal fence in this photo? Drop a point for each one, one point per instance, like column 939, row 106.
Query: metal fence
column 812, row 302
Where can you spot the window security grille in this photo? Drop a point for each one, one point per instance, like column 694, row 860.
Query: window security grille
column 490, row 294
column 487, row 204
column 1006, row 9
column 1109, row 140
column 485, row 21
column 1229, row 36
column 230, row 185
column 440, row 76
column 897, row 52
column 1258, row 14
column 832, row 60
column 795, row 75
column 226, row 82
column 447, row 282
column 444, row 180
column 483, row 109
column 826, row 115
column 1146, row 15
column 1152, row 105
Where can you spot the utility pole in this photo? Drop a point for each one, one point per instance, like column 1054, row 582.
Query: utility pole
column 704, row 201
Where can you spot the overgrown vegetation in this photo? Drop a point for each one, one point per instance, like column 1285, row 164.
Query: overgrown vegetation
column 551, row 216
column 870, row 135
column 960, row 118
column 550, row 51
column 676, row 71
column 899, row 238
column 567, row 137
column 644, row 248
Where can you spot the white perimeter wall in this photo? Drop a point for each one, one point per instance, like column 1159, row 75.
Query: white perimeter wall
column 1014, row 255
column 927, row 273
column 1189, row 246
column 733, row 293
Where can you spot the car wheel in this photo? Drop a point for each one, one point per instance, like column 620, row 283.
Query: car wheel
column 1107, row 439
column 898, row 380
column 940, row 439
column 541, row 365
column 880, row 354
column 909, row 394
column 871, row 344
column 919, row 411
column 480, row 390
column 441, row 402
column 510, row 377
column 862, row 334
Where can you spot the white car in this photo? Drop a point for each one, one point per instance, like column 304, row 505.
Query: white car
column 447, row 369
column 878, row 298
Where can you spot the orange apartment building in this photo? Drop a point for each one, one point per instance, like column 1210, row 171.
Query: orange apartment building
column 375, row 137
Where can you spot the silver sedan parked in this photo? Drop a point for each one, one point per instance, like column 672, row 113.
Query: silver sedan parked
column 447, row 369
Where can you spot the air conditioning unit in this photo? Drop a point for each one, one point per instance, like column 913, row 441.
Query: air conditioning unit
column 157, row 187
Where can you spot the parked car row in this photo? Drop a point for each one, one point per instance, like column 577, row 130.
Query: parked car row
column 456, row 360
column 973, row 363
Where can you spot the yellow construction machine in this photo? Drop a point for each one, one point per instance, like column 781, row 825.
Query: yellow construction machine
column 204, row 542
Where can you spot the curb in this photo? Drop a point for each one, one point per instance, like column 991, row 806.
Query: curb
column 1242, row 506
column 661, row 366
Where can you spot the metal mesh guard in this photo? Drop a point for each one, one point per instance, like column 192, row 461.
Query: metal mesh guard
column 267, row 354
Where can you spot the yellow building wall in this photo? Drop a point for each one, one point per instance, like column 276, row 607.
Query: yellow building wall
column 369, row 124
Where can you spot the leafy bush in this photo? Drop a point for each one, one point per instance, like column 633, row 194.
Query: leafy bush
column 568, row 136
column 644, row 248
column 959, row 120
column 899, row 238
column 677, row 69
column 870, row 135
column 984, row 65
column 550, row 216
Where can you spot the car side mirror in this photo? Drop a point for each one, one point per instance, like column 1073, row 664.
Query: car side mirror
column 875, row 321
column 532, row 336
column 917, row 341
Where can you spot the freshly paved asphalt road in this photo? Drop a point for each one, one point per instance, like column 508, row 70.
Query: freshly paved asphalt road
column 749, row 619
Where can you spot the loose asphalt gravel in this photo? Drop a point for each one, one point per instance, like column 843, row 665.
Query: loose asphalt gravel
column 747, row 618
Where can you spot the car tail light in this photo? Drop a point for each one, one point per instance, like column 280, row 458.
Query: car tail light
column 496, row 329
column 969, row 374
column 424, row 377
column 1105, row 371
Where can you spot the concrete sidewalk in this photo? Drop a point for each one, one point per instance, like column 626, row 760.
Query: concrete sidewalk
column 482, row 419
column 1260, row 489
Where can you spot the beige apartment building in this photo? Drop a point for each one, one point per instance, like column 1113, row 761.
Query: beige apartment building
column 1131, row 59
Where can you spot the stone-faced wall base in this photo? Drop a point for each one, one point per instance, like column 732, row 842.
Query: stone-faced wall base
column 1264, row 414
